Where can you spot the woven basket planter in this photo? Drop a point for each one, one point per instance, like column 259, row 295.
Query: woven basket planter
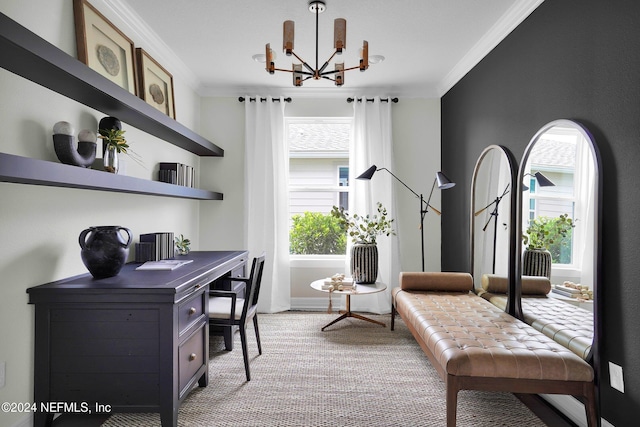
column 364, row 262
column 536, row 262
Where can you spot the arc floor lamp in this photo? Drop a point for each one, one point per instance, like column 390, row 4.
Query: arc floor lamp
column 443, row 182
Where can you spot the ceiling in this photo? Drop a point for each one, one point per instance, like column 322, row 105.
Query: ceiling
column 428, row 44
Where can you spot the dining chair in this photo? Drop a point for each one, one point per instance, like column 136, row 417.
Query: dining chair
column 226, row 309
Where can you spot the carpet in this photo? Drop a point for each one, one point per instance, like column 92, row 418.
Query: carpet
column 354, row 373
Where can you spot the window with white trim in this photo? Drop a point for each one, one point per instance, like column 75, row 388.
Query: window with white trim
column 318, row 180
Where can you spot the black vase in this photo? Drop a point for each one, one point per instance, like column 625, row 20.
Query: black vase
column 104, row 250
column 108, row 123
column 364, row 263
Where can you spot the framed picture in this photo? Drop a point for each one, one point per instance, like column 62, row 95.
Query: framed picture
column 155, row 84
column 103, row 47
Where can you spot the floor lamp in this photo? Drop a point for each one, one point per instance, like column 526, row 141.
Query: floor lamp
column 494, row 215
column 443, row 184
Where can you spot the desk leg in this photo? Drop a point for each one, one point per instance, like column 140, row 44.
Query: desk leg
column 348, row 313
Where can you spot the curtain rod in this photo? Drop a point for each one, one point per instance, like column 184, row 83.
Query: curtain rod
column 242, row 99
column 394, row 100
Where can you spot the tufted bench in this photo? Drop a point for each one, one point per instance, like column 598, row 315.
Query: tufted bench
column 566, row 324
column 474, row 345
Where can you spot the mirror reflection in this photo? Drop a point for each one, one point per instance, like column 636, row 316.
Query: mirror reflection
column 558, row 182
column 492, row 189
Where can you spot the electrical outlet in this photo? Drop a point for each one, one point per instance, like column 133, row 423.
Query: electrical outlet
column 615, row 375
column 3, row 366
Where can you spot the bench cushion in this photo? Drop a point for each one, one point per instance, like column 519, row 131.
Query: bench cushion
column 470, row 337
column 436, row 281
column 530, row 285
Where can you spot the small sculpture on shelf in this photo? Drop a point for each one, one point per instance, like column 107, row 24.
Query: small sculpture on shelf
column 64, row 146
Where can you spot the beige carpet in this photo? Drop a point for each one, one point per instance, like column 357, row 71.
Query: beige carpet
column 354, row 373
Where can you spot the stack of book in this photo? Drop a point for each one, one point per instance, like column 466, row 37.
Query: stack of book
column 177, row 173
column 155, row 247
column 345, row 284
column 567, row 291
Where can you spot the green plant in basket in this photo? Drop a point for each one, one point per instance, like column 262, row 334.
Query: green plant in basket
column 549, row 233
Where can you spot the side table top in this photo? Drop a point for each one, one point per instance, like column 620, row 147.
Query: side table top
column 360, row 288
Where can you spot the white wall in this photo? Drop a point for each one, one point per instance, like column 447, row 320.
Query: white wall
column 40, row 225
column 416, row 150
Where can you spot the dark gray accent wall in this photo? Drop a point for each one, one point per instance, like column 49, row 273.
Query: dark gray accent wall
column 573, row 59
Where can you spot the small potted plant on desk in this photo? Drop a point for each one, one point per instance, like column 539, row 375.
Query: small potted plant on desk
column 182, row 245
column 363, row 231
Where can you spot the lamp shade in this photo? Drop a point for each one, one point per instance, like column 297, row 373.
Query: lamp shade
column 444, row 183
column 368, row 173
column 543, row 180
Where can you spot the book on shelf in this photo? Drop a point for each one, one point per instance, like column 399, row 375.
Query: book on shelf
column 165, row 264
column 177, row 173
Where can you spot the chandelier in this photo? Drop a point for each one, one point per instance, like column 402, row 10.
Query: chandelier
column 304, row 71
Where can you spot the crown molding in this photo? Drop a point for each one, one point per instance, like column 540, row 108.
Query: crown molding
column 130, row 23
column 507, row 23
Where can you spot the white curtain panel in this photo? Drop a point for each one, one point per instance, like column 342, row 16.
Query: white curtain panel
column 585, row 212
column 266, row 208
column 371, row 143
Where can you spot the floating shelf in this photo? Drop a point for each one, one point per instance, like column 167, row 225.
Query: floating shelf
column 29, row 56
column 24, row 170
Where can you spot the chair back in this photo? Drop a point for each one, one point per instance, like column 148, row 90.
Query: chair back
column 252, row 290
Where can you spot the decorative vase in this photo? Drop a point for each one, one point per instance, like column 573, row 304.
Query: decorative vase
column 536, row 262
column 110, row 160
column 104, row 250
column 364, row 262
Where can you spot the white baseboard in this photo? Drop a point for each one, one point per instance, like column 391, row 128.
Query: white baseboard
column 316, row 304
column 572, row 408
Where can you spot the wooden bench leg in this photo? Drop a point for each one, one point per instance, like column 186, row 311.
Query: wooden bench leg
column 393, row 314
column 452, row 400
column 590, row 404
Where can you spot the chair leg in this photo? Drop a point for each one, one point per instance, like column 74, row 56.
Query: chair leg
column 255, row 326
column 228, row 337
column 245, row 355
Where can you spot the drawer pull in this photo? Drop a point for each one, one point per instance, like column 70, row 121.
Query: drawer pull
column 192, row 357
column 192, row 311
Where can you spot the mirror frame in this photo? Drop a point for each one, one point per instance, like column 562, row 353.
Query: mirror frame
column 517, row 243
column 511, row 267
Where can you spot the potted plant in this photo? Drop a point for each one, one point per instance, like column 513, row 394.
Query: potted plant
column 182, row 245
column 363, row 231
column 114, row 144
column 543, row 242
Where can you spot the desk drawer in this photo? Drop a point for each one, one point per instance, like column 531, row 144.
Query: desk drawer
column 191, row 356
column 189, row 312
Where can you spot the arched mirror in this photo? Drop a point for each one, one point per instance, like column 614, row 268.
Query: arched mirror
column 558, row 221
column 493, row 221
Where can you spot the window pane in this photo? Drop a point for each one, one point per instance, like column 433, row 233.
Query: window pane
column 318, row 181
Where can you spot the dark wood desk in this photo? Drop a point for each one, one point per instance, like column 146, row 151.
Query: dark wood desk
column 136, row 342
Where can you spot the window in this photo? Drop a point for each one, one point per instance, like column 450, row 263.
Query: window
column 318, row 180
column 555, row 158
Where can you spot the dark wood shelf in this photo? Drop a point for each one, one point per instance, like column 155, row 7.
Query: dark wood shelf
column 29, row 56
column 24, row 170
